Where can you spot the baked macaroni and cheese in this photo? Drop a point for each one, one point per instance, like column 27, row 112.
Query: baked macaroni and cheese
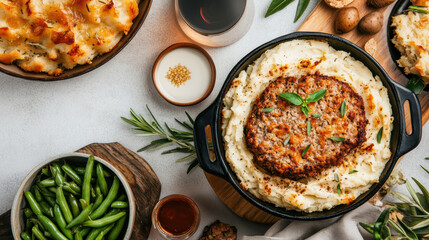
column 53, row 35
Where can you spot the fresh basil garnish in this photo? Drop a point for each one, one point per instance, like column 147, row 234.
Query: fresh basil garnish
column 293, row 98
column 343, row 108
column 316, row 96
column 337, row 139
column 308, row 127
column 267, row 110
column 339, row 189
column 379, row 135
column 305, row 150
column 297, row 100
column 286, row 140
column 336, row 177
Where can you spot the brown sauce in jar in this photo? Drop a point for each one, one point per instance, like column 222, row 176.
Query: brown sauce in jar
column 177, row 215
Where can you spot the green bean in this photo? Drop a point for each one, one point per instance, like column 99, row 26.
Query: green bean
column 103, row 221
column 61, row 222
column 100, row 236
column 122, row 197
column 28, row 225
column 93, row 194
column 98, row 190
column 101, row 180
column 82, row 217
column 74, row 205
column 72, row 174
column 104, row 232
column 83, row 203
column 46, row 209
column 74, row 186
column 108, row 200
column 119, row 204
column 25, row 236
column 37, row 194
column 35, row 207
column 37, row 233
column 93, row 234
column 36, row 221
column 49, row 182
column 84, row 231
column 98, row 201
column 58, row 175
column 80, row 170
column 47, row 234
column 51, row 201
column 78, row 236
column 117, row 229
column 51, row 228
column 61, row 200
column 28, row 213
column 53, row 190
column 113, row 212
column 70, row 190
column 46, row 171
column 95, row 231
column 45, row 192
column 86, row 186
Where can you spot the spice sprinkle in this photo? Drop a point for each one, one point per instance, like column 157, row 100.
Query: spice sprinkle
column 178, row 75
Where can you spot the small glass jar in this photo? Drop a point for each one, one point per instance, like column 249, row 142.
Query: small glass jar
column 176, row 217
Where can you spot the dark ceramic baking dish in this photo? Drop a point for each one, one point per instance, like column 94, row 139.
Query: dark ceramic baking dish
column 14, row 70
column 401, row 142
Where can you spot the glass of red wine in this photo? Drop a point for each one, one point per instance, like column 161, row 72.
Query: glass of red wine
column 215, row 23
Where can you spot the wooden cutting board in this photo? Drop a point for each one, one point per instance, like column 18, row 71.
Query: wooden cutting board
column 322, row 20
column 142, row 179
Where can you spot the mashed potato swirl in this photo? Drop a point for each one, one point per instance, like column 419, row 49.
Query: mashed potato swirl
column 320, row 192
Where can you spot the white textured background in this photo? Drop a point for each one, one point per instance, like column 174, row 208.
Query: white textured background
column 39, row 120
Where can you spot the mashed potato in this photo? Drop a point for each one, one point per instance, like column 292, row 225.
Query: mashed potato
column 320, row 192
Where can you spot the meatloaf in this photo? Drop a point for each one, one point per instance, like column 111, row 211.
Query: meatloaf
column 287, row 143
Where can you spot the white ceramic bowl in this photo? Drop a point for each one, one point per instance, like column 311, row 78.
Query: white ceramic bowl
column 17, row 220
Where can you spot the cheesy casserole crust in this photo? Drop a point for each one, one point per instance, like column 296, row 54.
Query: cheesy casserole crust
column 412, row 41
column 53, row 35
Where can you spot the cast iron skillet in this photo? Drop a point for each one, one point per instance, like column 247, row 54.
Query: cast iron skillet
column 401, row 142
column 14, row 70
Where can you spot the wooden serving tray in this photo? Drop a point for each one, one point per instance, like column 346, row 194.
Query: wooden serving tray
column 142, row 179
column 322, row 20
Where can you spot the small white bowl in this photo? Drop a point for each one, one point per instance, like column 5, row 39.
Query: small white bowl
column 17, row 220
column 201, row 66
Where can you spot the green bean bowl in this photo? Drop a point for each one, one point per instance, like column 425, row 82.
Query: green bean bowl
column 73, row 196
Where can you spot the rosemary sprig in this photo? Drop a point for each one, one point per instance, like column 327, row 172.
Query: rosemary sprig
column 415, row 212
column 184, row 139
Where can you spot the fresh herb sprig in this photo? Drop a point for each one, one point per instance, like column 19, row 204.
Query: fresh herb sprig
column 418, row 9
column 416, row 85
column 277, row 5
column 415, row 211
column 297, row 100
column 184, row 139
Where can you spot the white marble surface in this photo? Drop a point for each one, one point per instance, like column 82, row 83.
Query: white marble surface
column 39, row 120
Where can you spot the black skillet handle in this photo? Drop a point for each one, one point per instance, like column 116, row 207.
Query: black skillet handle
column 207, row 117
column 409, row 142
